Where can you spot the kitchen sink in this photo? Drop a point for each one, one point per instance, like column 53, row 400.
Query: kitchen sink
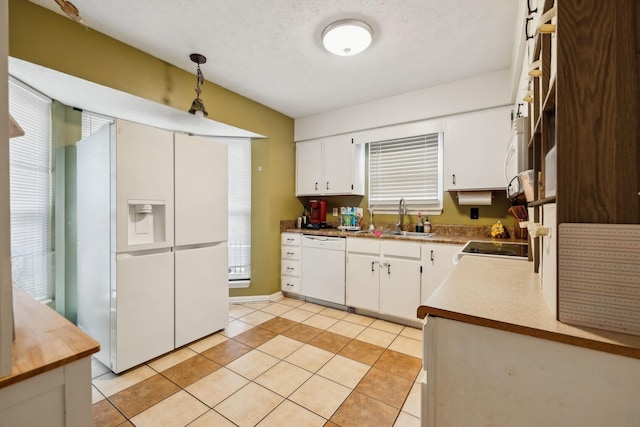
column 411, row 234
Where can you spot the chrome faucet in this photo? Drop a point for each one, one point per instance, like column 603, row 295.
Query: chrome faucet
column 402, row 209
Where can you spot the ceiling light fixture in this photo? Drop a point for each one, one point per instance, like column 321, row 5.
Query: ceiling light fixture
column 197, row 106
column 347, row 37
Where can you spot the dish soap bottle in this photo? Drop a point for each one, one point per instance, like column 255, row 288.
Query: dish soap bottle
column 427, row 225
column 419, row 226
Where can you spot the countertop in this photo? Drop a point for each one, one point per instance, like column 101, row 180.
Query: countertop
column 505, row 294
column 441, row 235
column 44, row 340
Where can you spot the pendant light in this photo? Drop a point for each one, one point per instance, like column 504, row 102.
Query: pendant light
column 197, row 106
column 347, row 37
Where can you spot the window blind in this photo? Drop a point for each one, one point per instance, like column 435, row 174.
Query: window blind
column 32, row 194
column 92, row 122
column 409, row 168
column 239, row 207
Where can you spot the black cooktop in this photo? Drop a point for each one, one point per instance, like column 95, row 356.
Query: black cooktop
column 512, row 249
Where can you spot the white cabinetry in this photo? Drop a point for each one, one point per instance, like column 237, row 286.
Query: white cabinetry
column 329, row 166
column 400, row 278
column 474, row 148
column 291, row 262
column 363, row 274
column 57, row 398
column 520, row 374
column 437, row 260
column 383, row 276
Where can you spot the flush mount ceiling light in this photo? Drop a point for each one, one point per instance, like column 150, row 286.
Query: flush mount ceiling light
column 197, row 106
column 347, row 37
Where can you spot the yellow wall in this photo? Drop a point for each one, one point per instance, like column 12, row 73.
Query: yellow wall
column 51, row 40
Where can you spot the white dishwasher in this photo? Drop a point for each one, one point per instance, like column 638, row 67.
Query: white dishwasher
column 323, row 268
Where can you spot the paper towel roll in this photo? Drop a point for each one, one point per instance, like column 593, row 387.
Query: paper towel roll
column 476, row 198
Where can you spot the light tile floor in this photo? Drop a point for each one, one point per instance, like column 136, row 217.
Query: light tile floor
column 281, row 363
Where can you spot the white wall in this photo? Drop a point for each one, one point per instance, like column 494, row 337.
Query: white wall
column 477, row 93
column 6, row 300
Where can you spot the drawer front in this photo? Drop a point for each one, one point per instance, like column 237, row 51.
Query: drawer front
column 291, row 268
column 291, row 253
column 293, row 239
column 363, row 246
column 400, row 249
column 290, row 284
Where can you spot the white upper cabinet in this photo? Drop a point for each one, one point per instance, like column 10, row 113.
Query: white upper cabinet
column 329, row 166
column 474, row 148
column 309, row 180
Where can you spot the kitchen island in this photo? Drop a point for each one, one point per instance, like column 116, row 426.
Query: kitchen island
column 50, row 382
column 496, row 355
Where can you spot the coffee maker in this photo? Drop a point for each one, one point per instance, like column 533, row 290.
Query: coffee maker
column 318, row 211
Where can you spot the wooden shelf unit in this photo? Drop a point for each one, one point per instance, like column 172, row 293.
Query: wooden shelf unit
column 589, row 110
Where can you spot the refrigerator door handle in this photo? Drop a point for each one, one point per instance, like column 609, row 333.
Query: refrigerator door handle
column 198, row 246
column 143, row 252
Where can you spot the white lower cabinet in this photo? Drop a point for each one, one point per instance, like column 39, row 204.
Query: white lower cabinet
column 363, row 274
column 437, row 260
column 291, row 262
column 383, row 276
column 480, row 376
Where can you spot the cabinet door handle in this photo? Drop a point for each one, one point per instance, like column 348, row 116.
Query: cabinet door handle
column 327, row 185
column 291, row 253
column 529, row 9
column 453, row 179
column 289, row 239
column 290, row 268
column 374, row 263
column 289, row 285
column 316, row 186
column 432, row 255
column 387, row 265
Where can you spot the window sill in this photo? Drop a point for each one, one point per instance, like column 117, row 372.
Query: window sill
column 239, row 284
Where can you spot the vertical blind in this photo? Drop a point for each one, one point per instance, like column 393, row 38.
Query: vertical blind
column 32, row 194
column 409, row 168
column 239, row 208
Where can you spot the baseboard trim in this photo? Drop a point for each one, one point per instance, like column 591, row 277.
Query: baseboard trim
column 256, row 298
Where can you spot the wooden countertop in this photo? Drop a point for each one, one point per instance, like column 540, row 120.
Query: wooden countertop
column 44, row 340
column 505, row 294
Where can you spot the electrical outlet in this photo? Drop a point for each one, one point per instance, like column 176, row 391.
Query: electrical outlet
column 335, row 211
column 474, row 214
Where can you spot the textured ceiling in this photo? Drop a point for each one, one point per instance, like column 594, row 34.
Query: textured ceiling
column 270, row 50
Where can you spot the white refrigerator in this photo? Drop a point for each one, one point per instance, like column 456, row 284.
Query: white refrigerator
column 152, row 250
